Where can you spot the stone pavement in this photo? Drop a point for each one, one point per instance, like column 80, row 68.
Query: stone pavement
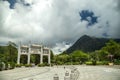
column 98, row 73
column 21, row 73
column 47, row 73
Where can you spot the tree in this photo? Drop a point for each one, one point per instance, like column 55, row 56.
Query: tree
column 61, row 59
column 12, row 52
column 113, row 48
column 52, row 56
column 102, row 55
column 8, row 53
column 78, row 56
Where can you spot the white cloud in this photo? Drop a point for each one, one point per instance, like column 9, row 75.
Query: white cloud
column 53, row 22
column 60, row 47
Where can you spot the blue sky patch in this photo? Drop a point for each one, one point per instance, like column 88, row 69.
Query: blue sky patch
column 105, row 34
column 89, row 16
column 12, row 3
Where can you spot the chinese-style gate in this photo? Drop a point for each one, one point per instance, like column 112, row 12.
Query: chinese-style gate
column 33, row 49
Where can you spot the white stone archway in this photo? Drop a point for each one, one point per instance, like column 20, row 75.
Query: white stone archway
column 33, row 49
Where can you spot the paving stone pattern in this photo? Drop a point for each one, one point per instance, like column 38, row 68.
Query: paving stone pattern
column 47, row 73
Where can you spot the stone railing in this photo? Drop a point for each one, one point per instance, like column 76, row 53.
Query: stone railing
column 73, row 75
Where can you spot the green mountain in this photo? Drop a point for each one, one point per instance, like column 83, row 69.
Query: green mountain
column 89, row 44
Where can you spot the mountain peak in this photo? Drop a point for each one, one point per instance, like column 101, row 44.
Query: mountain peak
column 89, row 44
column 85, row 37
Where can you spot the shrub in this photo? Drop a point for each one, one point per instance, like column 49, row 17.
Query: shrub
column 18, row 65
column 60, row 63
column 94, row 62
column 1, row 66
column 46, row 64
column 41, row 65
column 76, row 63
column 12, row 65
column 117, row 62
column 28, row 65
column 6, row 66
column 105, row 62
column 52, row 64
column 97, row 63
column 100, row 63
column 88, row 63
column 68, row 63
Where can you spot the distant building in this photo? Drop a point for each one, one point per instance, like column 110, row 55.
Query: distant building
column 33, row 49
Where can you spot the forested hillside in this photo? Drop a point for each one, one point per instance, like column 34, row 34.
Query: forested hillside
column 89, row 44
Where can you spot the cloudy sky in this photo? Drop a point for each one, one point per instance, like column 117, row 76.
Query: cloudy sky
column 58, row 23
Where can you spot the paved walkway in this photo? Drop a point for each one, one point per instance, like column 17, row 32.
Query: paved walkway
column 98, row 73
column 47, row 73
